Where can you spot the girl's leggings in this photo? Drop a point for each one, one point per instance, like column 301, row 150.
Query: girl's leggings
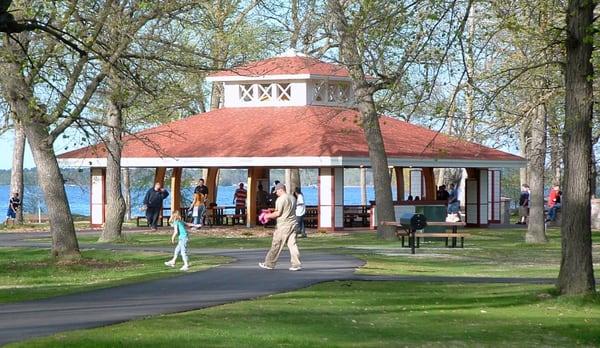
column 181, row 248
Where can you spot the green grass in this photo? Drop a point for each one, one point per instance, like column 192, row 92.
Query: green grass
column 365, row 314
column 28, row 273
column 487, row 253
column 316, row 241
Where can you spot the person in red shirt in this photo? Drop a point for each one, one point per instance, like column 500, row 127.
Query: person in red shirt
column 552, row 196
column 554, row 203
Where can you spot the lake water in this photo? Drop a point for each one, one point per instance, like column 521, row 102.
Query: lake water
column 79, row 197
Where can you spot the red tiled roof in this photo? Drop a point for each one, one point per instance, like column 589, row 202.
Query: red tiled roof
column 290, row 131
column 286, row 66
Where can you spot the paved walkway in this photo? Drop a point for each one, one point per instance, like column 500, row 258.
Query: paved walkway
column 239, row 280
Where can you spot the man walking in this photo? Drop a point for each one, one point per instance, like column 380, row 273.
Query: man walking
column 153, row 203
column 285, row 213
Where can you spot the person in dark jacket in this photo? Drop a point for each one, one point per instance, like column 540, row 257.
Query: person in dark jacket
column 153, row 203
column 524, row 205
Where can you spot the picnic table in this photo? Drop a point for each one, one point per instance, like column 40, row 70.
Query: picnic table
column 217, row 215
column 414, row 236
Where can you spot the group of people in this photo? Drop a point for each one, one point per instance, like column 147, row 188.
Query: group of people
column 285, row 213
column 554, row 203
column 451, row 197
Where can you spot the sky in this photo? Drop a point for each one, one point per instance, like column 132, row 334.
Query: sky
column 6, row 151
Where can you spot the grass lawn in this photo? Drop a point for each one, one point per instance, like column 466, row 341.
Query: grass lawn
column 365, row 314
column 487, row 253
column 28, row 273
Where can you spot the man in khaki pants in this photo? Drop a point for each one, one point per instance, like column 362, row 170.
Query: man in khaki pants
column 285, row 213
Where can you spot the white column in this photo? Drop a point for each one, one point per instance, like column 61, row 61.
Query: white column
column 476, row 197
column 471, row 204
column 97, row 196
column 416, row 183
column 363, row 185
column 483, row 197
column 338, row 175
column 331, row 198
column 494, row 194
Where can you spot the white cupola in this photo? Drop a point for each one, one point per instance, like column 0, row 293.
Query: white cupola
column 290, row 79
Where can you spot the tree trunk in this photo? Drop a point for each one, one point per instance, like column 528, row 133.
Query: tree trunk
column 363, row 93
column 24, row 109
column 536, row 229
column 378, row 158
column 524, row 139
column 127, row 190
column 292, row 179
column 576, row 274
column 16, row 173
column 64, row 240
column 555, row 147
column 115, row 204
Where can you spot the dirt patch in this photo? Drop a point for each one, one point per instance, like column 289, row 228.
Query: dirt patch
column 88, row 263
column 95, row 264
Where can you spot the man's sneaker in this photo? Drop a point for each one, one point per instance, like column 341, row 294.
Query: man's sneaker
column 184, row 268
column 295, row 268
column 262, row 265
column 170, row 264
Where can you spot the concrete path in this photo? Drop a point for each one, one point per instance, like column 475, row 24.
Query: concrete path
column 239, row 280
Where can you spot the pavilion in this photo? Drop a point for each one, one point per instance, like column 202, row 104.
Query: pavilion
column 295, row 111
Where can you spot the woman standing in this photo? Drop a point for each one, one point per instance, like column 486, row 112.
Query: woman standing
column 300, row 212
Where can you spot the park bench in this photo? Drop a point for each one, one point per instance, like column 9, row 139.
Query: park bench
column 415, row 237
column 356, row 213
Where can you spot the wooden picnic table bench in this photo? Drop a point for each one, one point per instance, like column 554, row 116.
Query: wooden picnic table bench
column 414, row 237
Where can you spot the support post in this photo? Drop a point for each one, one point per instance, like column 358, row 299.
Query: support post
column 159, row 175
column 363, row 185
column 331, row 198
column 429, row 179
column 476, row 196
column 399, row 171
column 97, row 196
column 175, row 189
column 212, row 176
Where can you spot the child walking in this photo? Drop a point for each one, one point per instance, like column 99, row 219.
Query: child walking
column 179, row 229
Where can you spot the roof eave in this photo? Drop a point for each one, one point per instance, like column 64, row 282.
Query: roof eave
column 291, row 162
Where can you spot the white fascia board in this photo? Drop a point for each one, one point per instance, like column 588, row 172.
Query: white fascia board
column 437, row 163
column 82, row 162
column 288, row 162
column 204, row 162
column 252, row 78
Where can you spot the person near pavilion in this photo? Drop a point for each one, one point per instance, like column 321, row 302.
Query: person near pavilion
column 453, row 202
column 523, row 205
column 14, row 204
column 262, row 199
column 153, row 203
column 442, row 194
column 554, row 202
column 300, row 212
column 239, row 199
column 285, row 233
column 272, row 195
column 198, row 205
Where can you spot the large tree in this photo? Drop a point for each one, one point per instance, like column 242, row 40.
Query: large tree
column 576, row 274
column 386, row 46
